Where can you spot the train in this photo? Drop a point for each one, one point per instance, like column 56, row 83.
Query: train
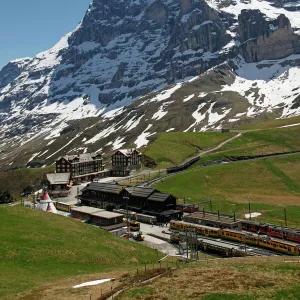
column 282, row 246
column 286, row 233
column 63, row 206
column 280, row 232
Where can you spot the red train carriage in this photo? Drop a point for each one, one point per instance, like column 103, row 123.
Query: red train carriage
column 290, row 234
column 286, row 233
column 251, row 226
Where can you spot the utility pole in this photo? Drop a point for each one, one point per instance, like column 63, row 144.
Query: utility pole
column 186, row 242
column 285, row 219
column 249, row 211
column 127, row 219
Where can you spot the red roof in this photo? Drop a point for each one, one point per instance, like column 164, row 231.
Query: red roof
column 46, row 197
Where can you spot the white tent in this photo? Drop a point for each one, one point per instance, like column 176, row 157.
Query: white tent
column 46, row 204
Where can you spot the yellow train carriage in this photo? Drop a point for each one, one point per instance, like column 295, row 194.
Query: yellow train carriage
column 281, row 246
column 64, row 206
column 233, row 235
column 199, row 229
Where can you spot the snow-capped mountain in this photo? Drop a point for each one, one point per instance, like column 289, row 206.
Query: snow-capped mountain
column 135, row 68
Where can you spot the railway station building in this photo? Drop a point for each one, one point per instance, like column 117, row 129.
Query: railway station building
column 138, row 199
column 102, row 194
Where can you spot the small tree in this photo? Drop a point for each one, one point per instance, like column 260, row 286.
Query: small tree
column 5, row 197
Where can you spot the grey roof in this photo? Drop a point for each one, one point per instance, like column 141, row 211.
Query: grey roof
column 82, row 157
column 140, row 191
column 59, row 178
column 159, row 197
column 107, row 214
column 86, row 209
column 104, row 187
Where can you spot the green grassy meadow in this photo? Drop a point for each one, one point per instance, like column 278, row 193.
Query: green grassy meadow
column 174, row 148
column 270, row 185
column 271, row 123
column 257, row 143
column 38, row 247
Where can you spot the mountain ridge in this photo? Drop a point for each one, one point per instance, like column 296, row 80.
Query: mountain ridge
column 118, row 54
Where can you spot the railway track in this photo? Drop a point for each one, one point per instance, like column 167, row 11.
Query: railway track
column 226, row 247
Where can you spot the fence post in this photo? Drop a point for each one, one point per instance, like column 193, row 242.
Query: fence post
column 137, row 272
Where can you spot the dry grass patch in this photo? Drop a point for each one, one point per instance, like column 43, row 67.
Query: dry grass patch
column 251, row 278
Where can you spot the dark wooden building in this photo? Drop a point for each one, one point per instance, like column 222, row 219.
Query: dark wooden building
column 161, row 202
column 59, row 184
column 138, row 197
column 102, row 194
column 124, row 161
column 82, row 167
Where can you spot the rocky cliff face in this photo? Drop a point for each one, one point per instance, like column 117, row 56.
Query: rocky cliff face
column 123, row 50
column 266, row 39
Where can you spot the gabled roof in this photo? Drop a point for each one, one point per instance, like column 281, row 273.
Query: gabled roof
column 140, row 191
column 104, row 187
column 159, row 197
column 127, row 152
column 81, row 157
column 59, row 178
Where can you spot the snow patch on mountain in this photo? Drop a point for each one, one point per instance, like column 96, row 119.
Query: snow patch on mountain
column 142, row 138
column 235, row 7
column 268, row 84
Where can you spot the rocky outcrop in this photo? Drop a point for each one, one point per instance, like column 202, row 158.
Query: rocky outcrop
column 266, row 39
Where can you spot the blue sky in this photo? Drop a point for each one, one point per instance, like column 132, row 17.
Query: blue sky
column 28, row 27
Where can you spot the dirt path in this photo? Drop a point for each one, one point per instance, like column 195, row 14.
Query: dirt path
column 221, row 144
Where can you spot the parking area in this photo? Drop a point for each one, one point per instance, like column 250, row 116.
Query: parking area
column 156, row 243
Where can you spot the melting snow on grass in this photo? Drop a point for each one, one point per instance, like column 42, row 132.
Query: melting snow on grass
column 91, row 283
column 51, row 142
column 33, row 156
column 253, row 215
column 171, row 129
column 78, row 135
column 166, row 94
column 118, row 143
column 188, row 98
column 142, row 139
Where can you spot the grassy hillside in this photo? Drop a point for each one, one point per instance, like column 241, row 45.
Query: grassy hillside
column 255, row 143
column 175, row 147
column 15, row 181
column 225, row 279
column 38, row 247
column 271, row 123
column 269, row 184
